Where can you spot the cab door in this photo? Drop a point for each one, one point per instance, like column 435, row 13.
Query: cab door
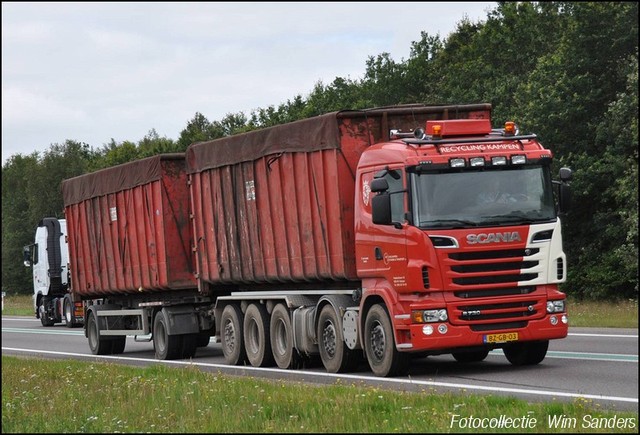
column 381, row 250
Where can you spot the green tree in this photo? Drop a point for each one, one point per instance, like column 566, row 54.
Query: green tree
column 17, row 228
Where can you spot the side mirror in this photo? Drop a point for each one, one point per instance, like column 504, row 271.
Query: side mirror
column 381, row 207
column 564, row 198
column 379, row 185
column 26, row 256
column 565, row 175
column 564, row 192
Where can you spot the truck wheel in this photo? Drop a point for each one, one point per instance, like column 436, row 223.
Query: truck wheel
column 334, row 353
column 98, row 344
column 44, row 318
column 526, row 353
column 281, row 336
column 68, row 312
column 379, row 344
column 118, row 344
column 470, row 357
column 203, row 339
column 232, row 335
column 257, row 341
column 166, row 346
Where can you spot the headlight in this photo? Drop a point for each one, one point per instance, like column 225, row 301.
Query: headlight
column 429, row 316
column 555, row 306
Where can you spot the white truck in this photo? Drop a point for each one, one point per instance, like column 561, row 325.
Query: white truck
column 48, row 256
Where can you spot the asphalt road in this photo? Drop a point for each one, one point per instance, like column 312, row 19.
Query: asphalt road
column 593, row 364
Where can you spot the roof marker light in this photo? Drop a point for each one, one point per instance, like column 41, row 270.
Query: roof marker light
column 509, row 128
column 437, row 131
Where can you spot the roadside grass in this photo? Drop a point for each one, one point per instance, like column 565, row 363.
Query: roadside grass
column 18, row 305
column 621, row 314
column 64, row 396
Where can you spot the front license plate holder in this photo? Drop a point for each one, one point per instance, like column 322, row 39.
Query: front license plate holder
column 503, row 337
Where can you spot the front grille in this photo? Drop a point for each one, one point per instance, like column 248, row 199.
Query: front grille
column 509, row 291
column 497, row 311
column 493, row 267
column 560, row 269
column 425, row 276
column 497, row 326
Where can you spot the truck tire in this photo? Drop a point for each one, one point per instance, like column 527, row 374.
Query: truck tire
column 189, row 345
column 382, row 355
column 118, row 345
column 281, row 337
column 257, row 338
column 99, row 345
column 334, row 353
column 526, row 353
column 471, row 357
column 68, row 309
column 203, row 339
column 232, row 335
column 166, row 346
column 44, row 318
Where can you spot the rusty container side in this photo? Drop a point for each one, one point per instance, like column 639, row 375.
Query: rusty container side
column 276, row 206
column 129, row 229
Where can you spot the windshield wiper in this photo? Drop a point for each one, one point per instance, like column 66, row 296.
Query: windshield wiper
column 511, row 218
column 455, row 223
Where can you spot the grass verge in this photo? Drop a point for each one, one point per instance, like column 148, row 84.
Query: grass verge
column 104, row 397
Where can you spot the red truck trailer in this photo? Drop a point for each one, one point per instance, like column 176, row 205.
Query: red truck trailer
column 352, row 235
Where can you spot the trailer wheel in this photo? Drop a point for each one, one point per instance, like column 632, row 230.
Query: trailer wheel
column 281, row 336
column 232, row 335
column 334, row 353
column 257, row 338
column 470, row 357
column 166, row 346
column 384, row 359
column 526, row 353
column 98, row 344
column 189, row 345
column 68, row 312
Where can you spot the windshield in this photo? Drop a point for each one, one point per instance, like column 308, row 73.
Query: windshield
column 521, row 195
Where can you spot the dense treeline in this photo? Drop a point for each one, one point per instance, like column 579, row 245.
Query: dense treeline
column 567, row 71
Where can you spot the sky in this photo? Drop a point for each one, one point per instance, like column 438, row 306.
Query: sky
column 97, row 71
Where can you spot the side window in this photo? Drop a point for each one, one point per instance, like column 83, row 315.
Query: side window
column 396, row 189
column 34, row 258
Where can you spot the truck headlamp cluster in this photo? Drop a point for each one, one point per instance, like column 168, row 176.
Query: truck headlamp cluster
column 499, row 161
column 474, row 162
column 518, row 159
column 429, row 316
column 457, row 163
column 555, row 306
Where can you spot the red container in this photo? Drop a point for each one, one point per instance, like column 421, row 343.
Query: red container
column 128, row 228
column 276, row 206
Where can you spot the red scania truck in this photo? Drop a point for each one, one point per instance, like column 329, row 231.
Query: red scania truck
column 370, row 234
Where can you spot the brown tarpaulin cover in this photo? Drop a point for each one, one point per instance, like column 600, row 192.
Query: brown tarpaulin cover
column 307, row 135
column 114, row 179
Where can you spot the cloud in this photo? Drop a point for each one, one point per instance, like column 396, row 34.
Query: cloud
column 100, row 70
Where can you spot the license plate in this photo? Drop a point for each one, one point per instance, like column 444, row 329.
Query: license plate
column 500, row 338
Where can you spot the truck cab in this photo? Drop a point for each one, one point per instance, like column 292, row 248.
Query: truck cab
column 459, row 236
column 48, row 257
